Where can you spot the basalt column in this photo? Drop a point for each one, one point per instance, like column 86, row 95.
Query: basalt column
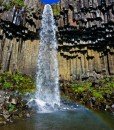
column 111, row 60
column 90, row 58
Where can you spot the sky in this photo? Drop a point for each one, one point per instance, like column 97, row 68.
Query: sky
column 49, row 1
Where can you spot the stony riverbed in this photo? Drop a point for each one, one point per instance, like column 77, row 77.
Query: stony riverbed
column 12, row 107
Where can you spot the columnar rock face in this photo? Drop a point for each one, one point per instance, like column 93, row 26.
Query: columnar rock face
column 19, row 56
column 87, row 62
column 22, row 56
column 77, row 58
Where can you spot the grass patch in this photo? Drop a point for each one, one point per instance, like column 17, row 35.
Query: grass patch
column 12, row 3
column 21, row 82
column 104, row 87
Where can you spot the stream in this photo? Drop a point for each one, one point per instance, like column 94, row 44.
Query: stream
column 80, row 119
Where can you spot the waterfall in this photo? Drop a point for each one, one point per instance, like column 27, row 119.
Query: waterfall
column 47, row 80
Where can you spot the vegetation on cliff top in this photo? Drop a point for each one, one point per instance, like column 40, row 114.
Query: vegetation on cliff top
column 12, row 3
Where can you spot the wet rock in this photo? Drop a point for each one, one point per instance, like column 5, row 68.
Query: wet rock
column 2, row 120
column 0, row 108
column 107, row 106
column 14, row 101
column 2, row 92
column 112, row 107
column 12, row 106
column 6, row 114
column 20, row 115
column 27, row 115
column 2, row 99
column 2, row 123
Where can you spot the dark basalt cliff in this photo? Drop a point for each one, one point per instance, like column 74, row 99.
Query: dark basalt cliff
column 85, row 38
column 19, row 38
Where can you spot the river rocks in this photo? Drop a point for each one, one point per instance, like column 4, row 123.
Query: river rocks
column 27, row 115
column 12, row 107
column 6, row 114
column 14, row 101
column 112, row 108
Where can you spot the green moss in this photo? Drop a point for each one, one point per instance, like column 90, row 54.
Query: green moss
column 56, row 9
column 81, row 87
column 18, row 81
column 13, row 3
column 97, row 95
column 105, row 87
column 11, row 107
column 7, row 85
column 18, row 2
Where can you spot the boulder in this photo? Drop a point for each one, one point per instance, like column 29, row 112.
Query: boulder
column 6, row 114
column 28, row 115
column 112, row 107
column 14, row 101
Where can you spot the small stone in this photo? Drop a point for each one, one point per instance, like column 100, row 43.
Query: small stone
column 93, row 98
column 112, row 106
column 2, row 120
column 108, row 96
column 11, row 121
column 6, row 114
column 2, row 123
column 28, row 115
column 7, row 120
column 107, row 107
column 2, row 93
column 14, row 101
column 7, row 97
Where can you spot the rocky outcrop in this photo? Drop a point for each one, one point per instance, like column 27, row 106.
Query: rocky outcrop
column 12, row 107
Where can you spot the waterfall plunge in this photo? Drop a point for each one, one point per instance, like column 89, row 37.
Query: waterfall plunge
column 47, row 95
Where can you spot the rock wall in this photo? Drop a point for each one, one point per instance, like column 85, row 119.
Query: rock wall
column 22, row 56
column 75, row 63
column 85, row 63
column 19, row 56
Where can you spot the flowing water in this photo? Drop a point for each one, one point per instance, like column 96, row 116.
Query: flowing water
column 47, row 95
column 65, row 120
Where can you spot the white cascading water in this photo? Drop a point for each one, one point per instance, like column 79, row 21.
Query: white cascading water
column 47, row 81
